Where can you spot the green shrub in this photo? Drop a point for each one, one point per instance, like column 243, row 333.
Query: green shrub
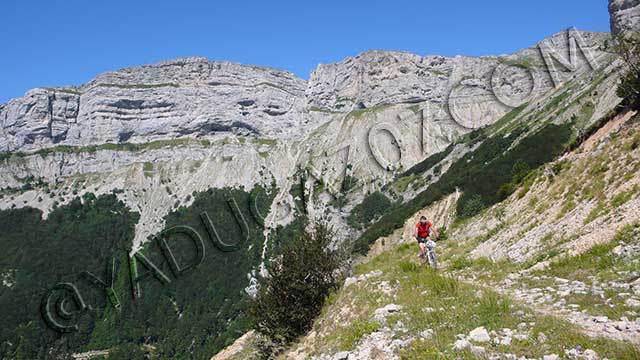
column 519, row 170
column 78, row 236
column 428, row 163
column 370, row 208
column 622, row 198
column 505, row 190
column 628, row 47
column 471, row 206
column 299, row 281
column 444, row 234
column 356, row 330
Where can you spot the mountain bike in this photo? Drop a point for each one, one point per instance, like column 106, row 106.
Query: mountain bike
column 430, row 254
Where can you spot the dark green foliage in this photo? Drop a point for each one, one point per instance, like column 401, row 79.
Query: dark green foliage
column 470, row 205
column 157, row 144
column 349, row 183
column 76, row 237
column 479, row 174
column 266, row 348
column 206, row 305
column 485, row 177
column 374, row 205
column 299, row 281
column 629, row 89
column 475, row 136
column 127, row 352
column 628, row 48
column 194, row 316
column 506, row 189
column 444, row 234
column 429, row 162
column 285, row 235
column 520, row 170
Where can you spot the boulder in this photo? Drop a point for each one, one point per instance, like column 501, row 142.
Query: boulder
column 479, row 335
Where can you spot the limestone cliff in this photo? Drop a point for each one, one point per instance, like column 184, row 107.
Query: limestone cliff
column 625, row 15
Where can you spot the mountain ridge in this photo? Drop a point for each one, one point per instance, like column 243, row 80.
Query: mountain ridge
column 365, row 144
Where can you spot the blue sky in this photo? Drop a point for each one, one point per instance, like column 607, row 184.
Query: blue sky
column 52, row 43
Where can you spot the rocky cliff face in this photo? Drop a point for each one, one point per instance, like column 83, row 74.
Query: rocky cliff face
column 240, row 125
column 197, row 98
column 625, row 15
column 183, row 97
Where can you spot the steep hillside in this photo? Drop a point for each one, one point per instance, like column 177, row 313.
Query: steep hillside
column 236, row 159
column 573, row 293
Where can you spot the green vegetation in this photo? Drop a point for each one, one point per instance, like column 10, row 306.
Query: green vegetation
column 628, row 48
column 139, row 86
column 479, row 174
column 595, row 212
column 555, row 102
column 275, row 86
column 205, row 305
column 264, row 141
column 624, row 196
column 65, row 90
column 506, row 122
column 474, row 137
column 323, row 110
column 147, row 169
column 437, row 72
column 359, row 113
column 597, row 259
column 355, row 331
column 460, row 262
column 523, row 63
column 80, row 236
column 299, row 281
column 401, row 184
column 428, row 163
column 373, row 206
column 446, row 307
column 157, row 144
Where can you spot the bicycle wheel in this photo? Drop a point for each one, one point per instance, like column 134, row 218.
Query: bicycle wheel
column 432, row 260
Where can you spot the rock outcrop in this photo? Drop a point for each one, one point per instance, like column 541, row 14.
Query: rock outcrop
column 183, row 97
column 625, row 15
column 198, row 98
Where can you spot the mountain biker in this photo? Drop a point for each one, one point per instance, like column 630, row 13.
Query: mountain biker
column 421, row 232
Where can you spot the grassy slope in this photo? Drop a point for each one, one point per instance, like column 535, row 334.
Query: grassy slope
column 459, row 307
column 469, row 293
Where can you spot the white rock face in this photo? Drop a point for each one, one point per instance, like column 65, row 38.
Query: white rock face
column 625, row 15
column 183, row 97
column 197, row 98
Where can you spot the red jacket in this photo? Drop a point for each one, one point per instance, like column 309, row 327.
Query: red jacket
column 423, row 230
